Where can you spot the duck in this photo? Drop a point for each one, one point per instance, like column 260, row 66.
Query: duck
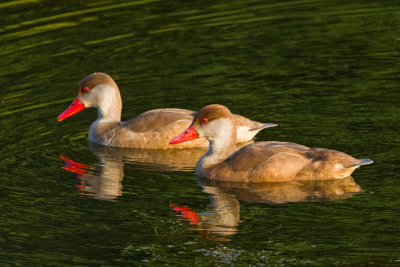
column 267, row 161
column 152, row 129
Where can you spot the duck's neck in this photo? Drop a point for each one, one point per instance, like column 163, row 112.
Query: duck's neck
column 109, row 105
column 221, row 147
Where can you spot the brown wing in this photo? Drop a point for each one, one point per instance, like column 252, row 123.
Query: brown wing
column 250, row 156
column 329, row 155
column 158, row 118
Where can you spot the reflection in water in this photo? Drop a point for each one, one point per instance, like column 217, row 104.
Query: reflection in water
column 153, row 159
column 104, row 183
column 224, row 216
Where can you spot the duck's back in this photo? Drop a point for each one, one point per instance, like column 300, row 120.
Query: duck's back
column 158, row 118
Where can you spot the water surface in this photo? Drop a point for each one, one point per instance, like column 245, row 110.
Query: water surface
column 325, row 71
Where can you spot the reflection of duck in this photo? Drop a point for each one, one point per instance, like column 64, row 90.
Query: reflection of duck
column 224, row 196
column 262, row 161
column 284, row 192
column 155, row 159
column 104, row 183
column 151, row 129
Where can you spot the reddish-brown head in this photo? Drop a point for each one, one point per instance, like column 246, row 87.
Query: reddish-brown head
column 85, row 97
column 203, row 122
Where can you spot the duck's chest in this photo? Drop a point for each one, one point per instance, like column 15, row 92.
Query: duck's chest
column 105, row 133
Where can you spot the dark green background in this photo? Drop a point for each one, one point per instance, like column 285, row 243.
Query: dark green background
column 326, row 71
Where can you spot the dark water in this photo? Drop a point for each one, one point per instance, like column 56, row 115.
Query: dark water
column 326, row 71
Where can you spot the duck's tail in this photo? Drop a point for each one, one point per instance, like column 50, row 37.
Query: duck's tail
column 360, row 163
column 263, row 126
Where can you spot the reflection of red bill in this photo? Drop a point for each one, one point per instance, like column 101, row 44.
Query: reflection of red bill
column 75, row 167
column 186, row 213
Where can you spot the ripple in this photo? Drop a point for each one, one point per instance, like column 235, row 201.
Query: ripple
column 5, row 113
column 112, row 38
column 78, row 13
column 18, row 2
column 41, row 29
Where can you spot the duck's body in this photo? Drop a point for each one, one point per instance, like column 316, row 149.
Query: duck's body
column 281, row 161
column 262, row 161
column 151, row 129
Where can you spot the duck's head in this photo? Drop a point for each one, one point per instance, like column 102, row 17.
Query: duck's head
column 212, row 122
column 95, row 90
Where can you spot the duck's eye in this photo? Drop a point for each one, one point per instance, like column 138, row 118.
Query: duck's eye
column 204, row 120
column 85, row 89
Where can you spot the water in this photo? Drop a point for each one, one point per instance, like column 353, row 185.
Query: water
column 325, row 71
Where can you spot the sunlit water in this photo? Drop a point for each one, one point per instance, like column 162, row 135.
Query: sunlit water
column 326, row 71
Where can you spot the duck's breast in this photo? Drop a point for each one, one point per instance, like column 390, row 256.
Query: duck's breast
column 104, row 133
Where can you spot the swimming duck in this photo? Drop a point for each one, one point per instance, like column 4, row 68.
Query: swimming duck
column 151, row 129
column 262, row 161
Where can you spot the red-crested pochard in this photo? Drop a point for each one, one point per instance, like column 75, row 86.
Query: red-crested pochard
column 151, row 129
column 262, row 161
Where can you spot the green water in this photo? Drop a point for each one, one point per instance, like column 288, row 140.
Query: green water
column 326, row 71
